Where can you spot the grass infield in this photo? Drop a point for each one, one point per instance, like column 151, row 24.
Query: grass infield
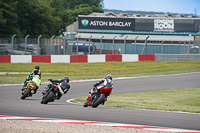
column 76, row 71
column 184, row 100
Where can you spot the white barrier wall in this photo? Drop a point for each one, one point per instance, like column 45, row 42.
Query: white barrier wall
column 130, row 57
column 21, row 58
column 60, row 58
column 96, row 58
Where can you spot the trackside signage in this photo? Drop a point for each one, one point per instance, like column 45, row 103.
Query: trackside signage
column 106, row 23
column 164, row 24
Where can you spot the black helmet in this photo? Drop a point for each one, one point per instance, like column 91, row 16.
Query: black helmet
column 66, row 79
column 109, row 76
column 37, row 67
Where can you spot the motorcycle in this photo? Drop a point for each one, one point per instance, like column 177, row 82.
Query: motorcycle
column 55, row 90
column 30, row 86
column 97, row 96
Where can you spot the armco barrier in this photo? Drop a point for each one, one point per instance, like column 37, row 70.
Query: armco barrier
column 5, row 58
column 41, row 58
column 146, row 57
column 78, row 59
column 113, row 58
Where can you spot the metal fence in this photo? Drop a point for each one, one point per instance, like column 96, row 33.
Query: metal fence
column 58, row 46
column 20, row 46
column 154, row 47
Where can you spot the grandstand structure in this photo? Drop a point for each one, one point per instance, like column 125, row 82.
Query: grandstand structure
column 136, row 34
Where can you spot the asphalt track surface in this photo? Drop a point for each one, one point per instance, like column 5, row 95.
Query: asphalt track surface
column 11, row 104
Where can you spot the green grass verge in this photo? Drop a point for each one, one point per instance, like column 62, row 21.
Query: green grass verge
column 76, row 71
column 184, row 100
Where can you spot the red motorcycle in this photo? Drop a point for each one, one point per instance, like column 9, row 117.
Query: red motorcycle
column 97, row 96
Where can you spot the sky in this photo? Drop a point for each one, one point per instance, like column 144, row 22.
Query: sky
column 172, row 6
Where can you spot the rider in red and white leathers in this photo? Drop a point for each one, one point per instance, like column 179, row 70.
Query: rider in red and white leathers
column 107, row 82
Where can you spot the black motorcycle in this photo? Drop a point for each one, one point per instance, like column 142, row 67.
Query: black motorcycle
column 55, row 90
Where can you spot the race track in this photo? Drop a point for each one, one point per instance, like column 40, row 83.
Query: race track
column 11, row 104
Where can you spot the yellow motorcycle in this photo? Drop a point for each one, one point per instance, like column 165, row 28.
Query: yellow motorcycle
column 31, row 87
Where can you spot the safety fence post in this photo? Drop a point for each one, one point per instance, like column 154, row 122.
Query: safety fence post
column 113, row 45
column 38, row 44
column 13, row 42
column 26, row 42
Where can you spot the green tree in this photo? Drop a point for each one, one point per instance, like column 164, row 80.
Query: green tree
column 46, row 17
column 83, row 9
column 71, row 4
column 8, row 18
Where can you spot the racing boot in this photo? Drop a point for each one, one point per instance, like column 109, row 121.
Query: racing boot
column 85, row 104
column 22, row 90
column 35, row 91
column 104, row 101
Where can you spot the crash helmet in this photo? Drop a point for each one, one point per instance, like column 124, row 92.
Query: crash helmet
column 109, row 77
column 66, row 79
column 37, row 67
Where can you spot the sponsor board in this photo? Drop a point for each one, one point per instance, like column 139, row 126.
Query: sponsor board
column 163, row 24
column 106, row 23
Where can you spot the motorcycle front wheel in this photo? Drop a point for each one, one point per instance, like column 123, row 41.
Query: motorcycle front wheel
column 48, row 98
column 28, row 91
column 98, row 100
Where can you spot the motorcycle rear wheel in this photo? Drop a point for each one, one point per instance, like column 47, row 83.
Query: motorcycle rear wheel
column 49, row 97
column 98, row 101
column 28, row 91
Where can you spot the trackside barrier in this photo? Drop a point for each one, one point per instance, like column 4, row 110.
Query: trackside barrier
column 60, row 58
column 115, row 58
column 74, row 58
column 78, row 59
column 130, row 58
column 177, row 57
column 21, row 59
column 96, row 58
column 5, row 59
column 147, row 57
column 41, row 58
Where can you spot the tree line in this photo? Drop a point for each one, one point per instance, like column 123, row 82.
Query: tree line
column 42, row 17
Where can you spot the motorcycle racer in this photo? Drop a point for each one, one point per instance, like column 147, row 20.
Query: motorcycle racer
column 104, row 82
column 55, row 90
column 35, row 80
column 107, row 82
column 37, row 71
column 29, row 77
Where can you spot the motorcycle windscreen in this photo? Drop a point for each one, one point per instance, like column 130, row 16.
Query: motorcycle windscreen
column 106, row 91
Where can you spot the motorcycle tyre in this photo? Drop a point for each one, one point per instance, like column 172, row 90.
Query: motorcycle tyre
column 98, row 101
column 48, row 98
column 28, row 91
